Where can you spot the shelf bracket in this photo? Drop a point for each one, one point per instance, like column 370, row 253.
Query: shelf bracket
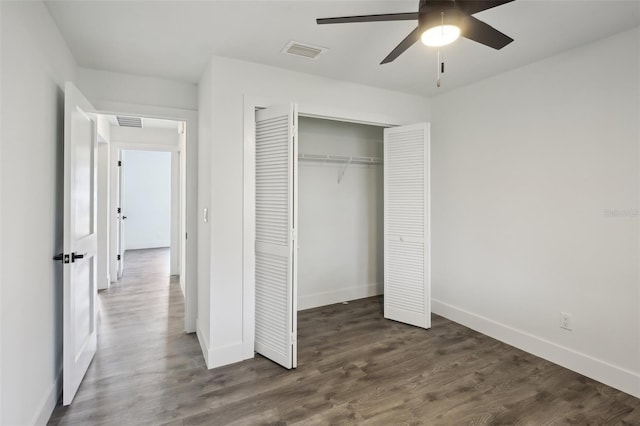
column 344, row 169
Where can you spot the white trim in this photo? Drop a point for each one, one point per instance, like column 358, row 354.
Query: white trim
column 250, row 104
column 148, row 111
column 48, row 404
column 609, row 374
column 203, row 339
column 349, row 116
column 336, row 296
column 223, row 355
column 191, row 118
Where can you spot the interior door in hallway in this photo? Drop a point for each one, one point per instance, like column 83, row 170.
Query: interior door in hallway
column 79, row 240
column 276, row 245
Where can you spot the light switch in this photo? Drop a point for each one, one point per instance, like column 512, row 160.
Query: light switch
column 205, row 215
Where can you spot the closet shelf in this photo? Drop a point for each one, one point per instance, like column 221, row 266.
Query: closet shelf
column 344, row 159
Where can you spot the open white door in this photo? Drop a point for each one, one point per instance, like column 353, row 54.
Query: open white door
column 121, row 216
column 407, row 284
column 80, row 240
column 276, row 246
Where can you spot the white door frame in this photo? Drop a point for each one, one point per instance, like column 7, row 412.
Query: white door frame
column 251, row 104
column 191, row 118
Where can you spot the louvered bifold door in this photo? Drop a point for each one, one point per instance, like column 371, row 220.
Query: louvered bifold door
column 406, row 225
column 276, row 171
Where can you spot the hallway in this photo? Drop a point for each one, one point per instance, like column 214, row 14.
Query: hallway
column 144, row 358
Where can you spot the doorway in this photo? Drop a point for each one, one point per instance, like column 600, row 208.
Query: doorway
column 144, row 198
column 340, row 212
column 271, row 225
column 148, row 195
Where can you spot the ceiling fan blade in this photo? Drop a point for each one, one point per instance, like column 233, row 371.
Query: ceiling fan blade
column 370, row 18
column 404, row 45
column 483, row 33
column 475, row 6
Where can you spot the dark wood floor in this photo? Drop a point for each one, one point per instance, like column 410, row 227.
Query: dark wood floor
column 354, row 368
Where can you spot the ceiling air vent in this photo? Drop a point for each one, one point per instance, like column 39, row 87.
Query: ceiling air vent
column 129, row 121
column 303, row 50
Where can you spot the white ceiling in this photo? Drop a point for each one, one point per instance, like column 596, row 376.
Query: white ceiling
column 175, row 39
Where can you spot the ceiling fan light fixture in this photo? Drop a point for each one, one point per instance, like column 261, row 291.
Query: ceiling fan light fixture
column 440, row 35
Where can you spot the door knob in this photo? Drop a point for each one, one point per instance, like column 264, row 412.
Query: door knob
column 64, row 258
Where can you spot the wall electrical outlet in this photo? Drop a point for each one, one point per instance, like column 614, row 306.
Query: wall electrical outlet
column 566, row 321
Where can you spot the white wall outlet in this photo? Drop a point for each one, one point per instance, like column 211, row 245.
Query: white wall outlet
column 566, row 321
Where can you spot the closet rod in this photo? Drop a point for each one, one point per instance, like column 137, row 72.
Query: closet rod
column 340, row 159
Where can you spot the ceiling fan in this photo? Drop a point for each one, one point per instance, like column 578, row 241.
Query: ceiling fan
column 440, row 22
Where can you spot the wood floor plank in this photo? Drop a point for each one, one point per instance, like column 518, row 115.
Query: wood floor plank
column 355, row 368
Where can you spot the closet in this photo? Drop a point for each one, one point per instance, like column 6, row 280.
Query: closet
column 340, row 211
column 338, row 216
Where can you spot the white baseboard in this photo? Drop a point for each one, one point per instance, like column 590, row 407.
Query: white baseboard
column 336, row 296
column 181, row 282
column 148, row 245
column 204, row 343
column 43, row 413
column 614, row 376
column 104, row 284
column 223, row 355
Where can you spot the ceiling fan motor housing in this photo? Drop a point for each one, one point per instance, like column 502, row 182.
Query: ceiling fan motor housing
column 435, row 13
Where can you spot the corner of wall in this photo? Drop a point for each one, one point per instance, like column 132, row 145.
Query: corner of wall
column 203, row 229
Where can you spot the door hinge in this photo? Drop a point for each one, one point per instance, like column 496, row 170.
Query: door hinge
column 186, row 236
column 118, row 257
column 294, row 234
column 292, row 338
column 119, row 210
column 119, row 163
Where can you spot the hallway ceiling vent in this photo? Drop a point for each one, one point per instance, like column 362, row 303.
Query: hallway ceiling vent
column 308, row 51
column 129, row 121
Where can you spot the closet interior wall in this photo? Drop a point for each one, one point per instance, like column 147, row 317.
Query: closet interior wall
column 340, row 212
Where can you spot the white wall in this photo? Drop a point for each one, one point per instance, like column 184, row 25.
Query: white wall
column 35, row 62
column 106, row 86
column 535, row 208
column 340, row 225
column 222, row 106
column 133, row 136
column 147, row 199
